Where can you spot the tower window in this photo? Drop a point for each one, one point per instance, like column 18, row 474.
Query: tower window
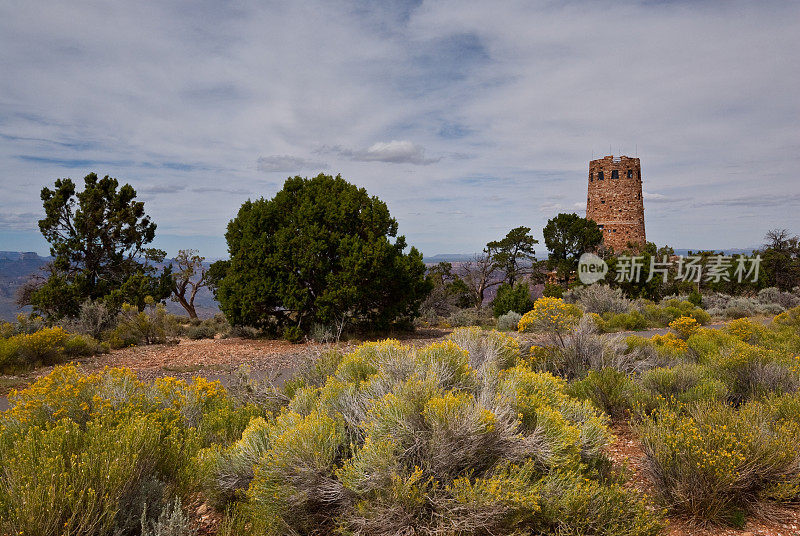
column 630, row 173
column 599, row 175
column 639, row 174
column 614, row 174
column 602, row 201
column 591, row 177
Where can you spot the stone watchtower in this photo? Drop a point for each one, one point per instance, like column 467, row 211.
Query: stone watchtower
column 615, row 200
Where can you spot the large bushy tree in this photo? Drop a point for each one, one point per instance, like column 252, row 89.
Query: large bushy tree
column 567, row 237
column 98, row 240
column 320, row 251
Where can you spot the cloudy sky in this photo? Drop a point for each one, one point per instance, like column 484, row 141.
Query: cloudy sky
column 467, row 118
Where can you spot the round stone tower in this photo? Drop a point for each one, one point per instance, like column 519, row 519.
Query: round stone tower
column 615, row 200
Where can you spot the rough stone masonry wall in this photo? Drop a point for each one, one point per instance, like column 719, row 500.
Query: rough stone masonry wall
column 615, row 200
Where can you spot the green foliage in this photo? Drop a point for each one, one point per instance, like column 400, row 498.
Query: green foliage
column 98, row 238
column 684, row 383
column 695, row 298
column 517, row 299
column 135, row 327
column 645, row 314
column 609, row 390
column 319, row 251
column 632, row 321
column 47, row 346
column 567, row 237
column 553, row 291
column 512, row 253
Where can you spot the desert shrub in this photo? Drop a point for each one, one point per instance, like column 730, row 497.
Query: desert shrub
column 106, row 442
column 684, row 326
column 741, row 307
column 170, row 522
column 43, row 347
column 227, row 472
column 633, row 321
column 245, row 332
column 82, row 346
column 659, row 350
column 695, row 298
column 469, row 317
column 670, row 310
column 487, row 348
column 551, row 316
column 583, row 348
column 775, row 296
column 609, row 390
column 711, row 461
column 683, row 383
column 517, row 298
column 134, row 327
column 28, row 324
column 94, row 319
column 417, row 441
column 552, row 290
column 201, row 331
column 746, row 330
column 753, row 372
column 789, row 319
column 508, row 321
column 322, row 333
column 599, row 299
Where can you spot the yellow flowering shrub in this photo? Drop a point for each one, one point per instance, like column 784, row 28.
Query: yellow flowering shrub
column 669, row 342
column 417, row 439
column 46, row 346
column 711, row 460
column 103, row 440
column 684, row 326
column 746, row 330
column 789, row 318
column 551, row 315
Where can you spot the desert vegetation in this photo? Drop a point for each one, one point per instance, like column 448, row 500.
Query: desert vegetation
column 503, row 425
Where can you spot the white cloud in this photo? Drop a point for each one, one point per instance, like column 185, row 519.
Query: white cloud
column 395, row 152
column 498, row 107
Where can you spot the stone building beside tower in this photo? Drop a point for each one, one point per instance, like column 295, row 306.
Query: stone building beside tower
column 615, row 200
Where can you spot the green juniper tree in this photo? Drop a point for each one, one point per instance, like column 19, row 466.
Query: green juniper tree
column 320, row 251
column 98, row 240
column 513, row 253
column 567, row 237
